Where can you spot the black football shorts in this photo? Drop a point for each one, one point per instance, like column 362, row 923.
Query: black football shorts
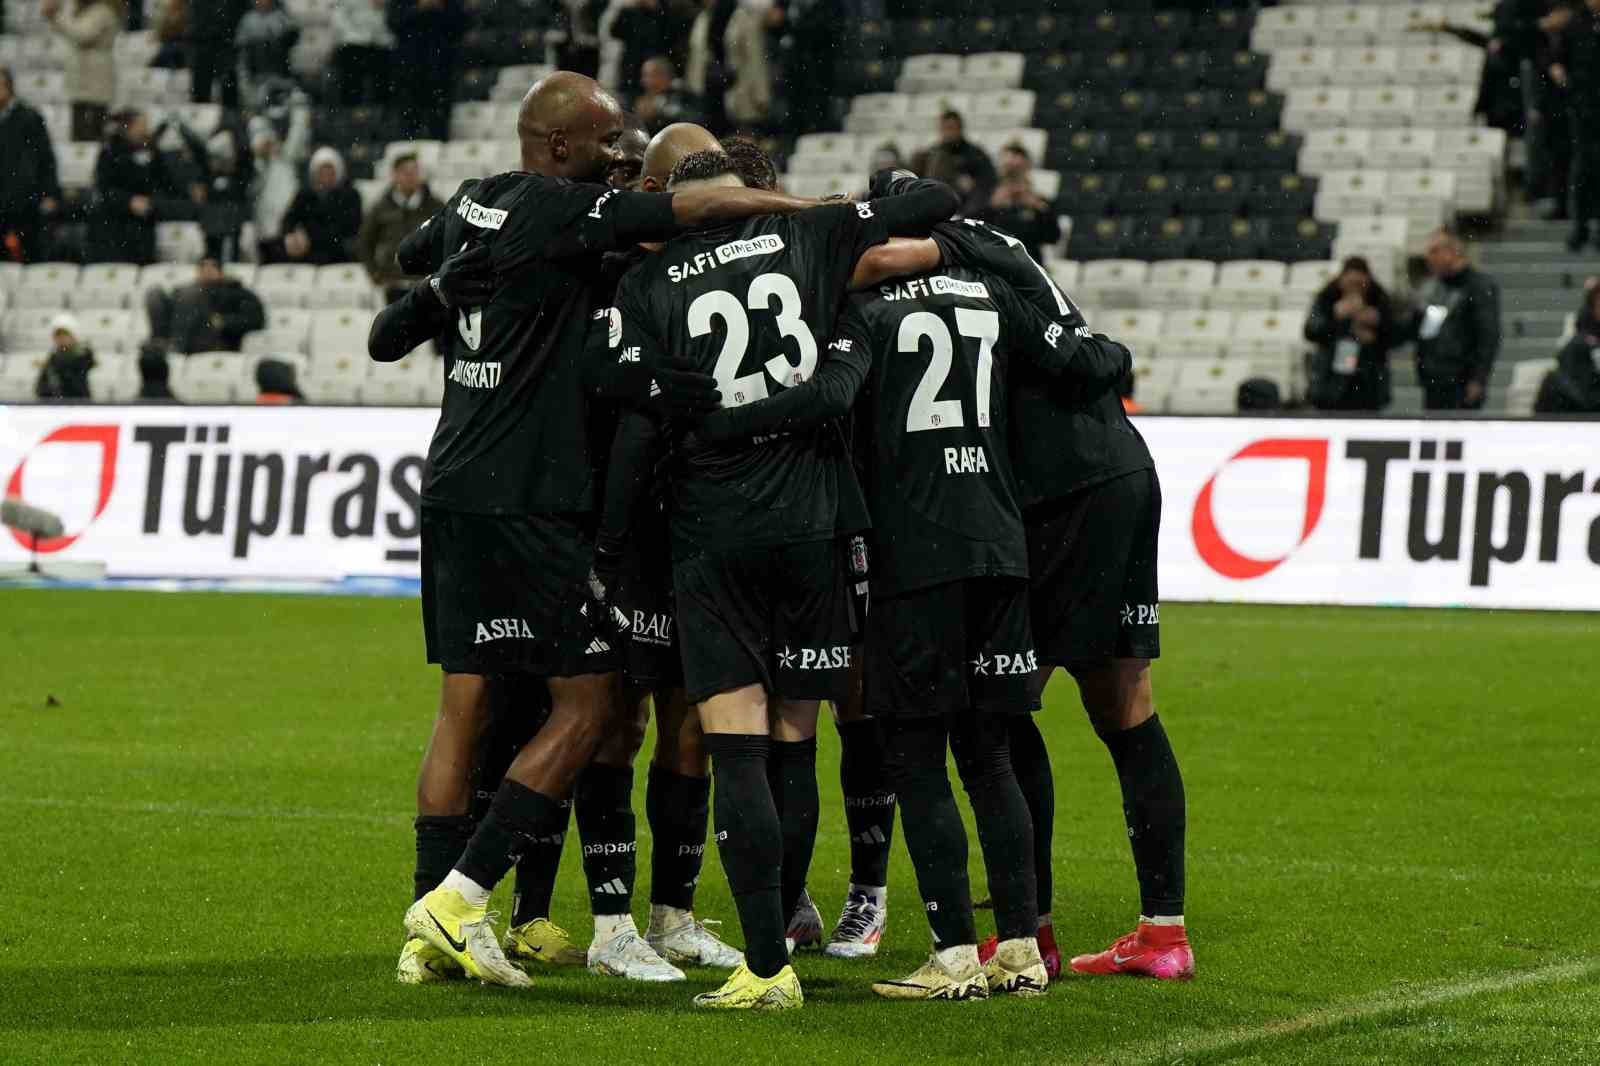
column 645, row 616
column 960, row 646
column 1092, row 557
column 779, row 617
column 507, row 594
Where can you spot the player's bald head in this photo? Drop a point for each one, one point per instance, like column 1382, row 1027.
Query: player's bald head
column 670, row 147
column 569, row 127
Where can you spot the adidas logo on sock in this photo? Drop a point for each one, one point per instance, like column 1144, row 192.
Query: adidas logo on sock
column 873, row 835
column 613, row 887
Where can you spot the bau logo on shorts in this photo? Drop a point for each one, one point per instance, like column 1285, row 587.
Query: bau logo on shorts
column 834, row 658
column 503, row 629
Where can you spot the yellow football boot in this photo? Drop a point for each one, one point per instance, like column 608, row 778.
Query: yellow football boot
column 542, row 941
column 464, row 933
column 745, row 991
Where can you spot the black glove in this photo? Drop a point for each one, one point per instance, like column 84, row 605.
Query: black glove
column 681, row 390
column 466, row 279
column 890, row 181
column 602, row 588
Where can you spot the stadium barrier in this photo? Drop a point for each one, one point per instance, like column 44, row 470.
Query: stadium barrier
column 1436, row 513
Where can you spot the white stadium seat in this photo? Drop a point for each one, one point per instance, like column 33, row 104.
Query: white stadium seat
column 1306, row 279
column 1382, row 106
column 19, row 376
column 427, row 153
column 1444, row 106
column 243, row 273
column 342, row 285
column 1272, row 333
column 1249, row 284
column 1065, row 273
column 992, row 70
column 878, row 113
column 1313, row 109
column 1300, row 68
column 114, row 378
column 1406, row 147
column 339, row 333
column 75, row 162
column 1335, row 149
column 1350, row 24
column 1197, row 334
column 285, row 284
column 1180, row 283
column 1351, row 193
column 46, row 285
column 164, row 276
column 1154, row 381
column 1206, row 387
column 925, row 108
column 1366, row 66
column 1006, row 107
column 206, row 377
column 113, row 330
column 1114, row 282
column 405, row 382
column 1140, row 330
column 335, row 378
column 1283, row 27
column 930, row 72
column 180, row 242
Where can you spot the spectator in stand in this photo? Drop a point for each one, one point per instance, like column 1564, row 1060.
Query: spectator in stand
column 172, row 31
column 1573, row 387
column 212, row 58
column 131, row 181
column 646, row 29
column 363, row 51
column 265, row 37
column 661, row 103
column 153, row 376
column 231, row 173
column 1578, row 71
column 277, row 171
column 91, row 28
column 708, row 74
column 405, row 205
column 1352, row 323
column 427, row 56
column 65, row 375
column 211, row 315
column 1456, row 327
column 276, row 383
column 812, row 28
column 30, row 195
column 748, row 101
column 579, row 50
column 959, row 163
column 1549, row 132
column 1016, row 207
column 323, row 220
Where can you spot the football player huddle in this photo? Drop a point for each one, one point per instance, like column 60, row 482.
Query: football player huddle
column 730, row 454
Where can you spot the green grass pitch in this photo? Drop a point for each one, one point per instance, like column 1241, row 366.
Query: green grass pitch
column 1393, row 858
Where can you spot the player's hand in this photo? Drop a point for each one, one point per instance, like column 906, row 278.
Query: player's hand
column 680, row 390
column 890, row 181
column 466, row 279
column 602, row 587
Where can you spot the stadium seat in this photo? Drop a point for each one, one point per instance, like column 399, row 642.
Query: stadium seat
column 1278, row 28
column 932, row 73
column 1308, row 278
column 46, row 285
column 878, row 113
column 341, row 285
column 1206, row 387
column 1154, row 381
column 1065, row 273
column 335, row 378
column 427, row 153
column 27, row 327
column 1268, row 333
column 1382, row 107
column 206, row 377
column 114, row 378
column 1140, row 330
column 286, row 284
column 1302, row 68
column 992, row 70
column 1351, row 193
column 1381, row 239
column 1217, row 194
column 1110, row 283
column 1312, row 109
column 113, row 330
column 1221, row 237
column 10, row 275
column 19, row 376
column 1335, row 149
column 1180, row 283
column 180, row 242
column 339, row 333
column 1249, row 285
column 1367, row 66
column 1444, row 106
column 1011, row 108
column 75, row 161
column 1406, row 147
column 1349, row 24
column 164, row 276
column 1197, row 334
column 403, row 383
column 204, row 119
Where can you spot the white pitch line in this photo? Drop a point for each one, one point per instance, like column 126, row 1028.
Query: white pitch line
column 1388, row 1002
column 315, row 814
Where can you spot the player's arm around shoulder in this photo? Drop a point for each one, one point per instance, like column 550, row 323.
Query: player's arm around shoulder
column 899, row 257
column 1059, row 348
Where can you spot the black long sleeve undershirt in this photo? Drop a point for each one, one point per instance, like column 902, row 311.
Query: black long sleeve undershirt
column 405, row 324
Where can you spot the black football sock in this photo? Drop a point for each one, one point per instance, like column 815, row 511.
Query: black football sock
column 1004, row 830
column 677, row 808
column 517, row 815
column 440, row 842
column 750, row 841
column 795, row 796
column 1030, row 761
column 868, row 800
column 935, row 836
column 536, row 874
column 603, row 803
column 1153, row 806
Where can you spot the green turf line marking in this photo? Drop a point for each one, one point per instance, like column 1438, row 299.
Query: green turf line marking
column 184, row 810
column 1392, row 1000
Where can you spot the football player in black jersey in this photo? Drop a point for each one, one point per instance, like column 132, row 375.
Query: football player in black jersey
column 763, row 608
column 949, row 656
column 1092, row 505
column 508, row 489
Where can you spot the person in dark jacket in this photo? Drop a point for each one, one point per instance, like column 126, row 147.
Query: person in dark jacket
column 1016, row 207
column 323, row 219
column 1353, row 324
column 958, row 162
column 405, row 205
column 30, row 195
column 1456, row 327
column 211, row 315
column 1578, row 71
column 646, row 28
column 66, row 372
column 130, row 181
column 212, row 55
column 427, row 56
column 1573, row 387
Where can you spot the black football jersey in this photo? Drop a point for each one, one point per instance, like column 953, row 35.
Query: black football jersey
column 932, row 423
column 1063, row 439
column 513, row 435
column 746, row 304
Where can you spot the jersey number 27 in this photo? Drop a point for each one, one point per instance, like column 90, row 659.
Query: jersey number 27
column 927, row 412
